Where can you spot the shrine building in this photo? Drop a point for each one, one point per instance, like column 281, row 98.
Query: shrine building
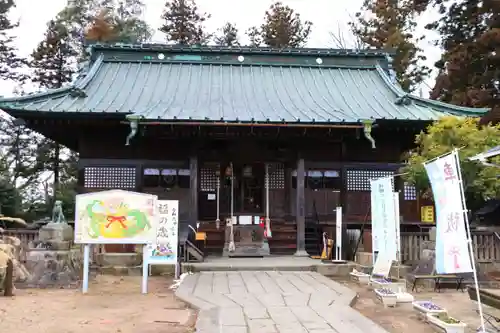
column 248, row 133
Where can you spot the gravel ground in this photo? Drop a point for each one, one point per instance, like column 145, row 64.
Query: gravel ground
column 403, row 319
column 113, row 304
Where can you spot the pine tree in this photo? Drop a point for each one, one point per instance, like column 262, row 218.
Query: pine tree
column 9, row 60
column 282, row 28
column 53, row 61
column 228, row 35
column 53, row 64
column 390, row 25
column 184, row 23
column 469, row 66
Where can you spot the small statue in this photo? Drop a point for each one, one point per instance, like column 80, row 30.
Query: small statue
column 57, row 213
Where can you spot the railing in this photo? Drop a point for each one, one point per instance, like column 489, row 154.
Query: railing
column 485, row 245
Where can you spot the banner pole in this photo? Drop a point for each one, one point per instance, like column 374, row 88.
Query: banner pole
column 469, row 239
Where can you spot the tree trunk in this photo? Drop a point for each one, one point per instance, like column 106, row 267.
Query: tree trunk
column 8, row 285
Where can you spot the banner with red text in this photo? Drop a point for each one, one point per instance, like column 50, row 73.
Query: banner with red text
column 452, row 252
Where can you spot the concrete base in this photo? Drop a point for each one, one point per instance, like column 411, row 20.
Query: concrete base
column 55, row 232
column 301, row 253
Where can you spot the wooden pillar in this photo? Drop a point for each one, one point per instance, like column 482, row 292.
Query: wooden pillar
column 193, row 188
column 288, row 191
column 301, row 210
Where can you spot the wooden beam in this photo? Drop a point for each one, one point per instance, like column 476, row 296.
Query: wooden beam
column 193, row 189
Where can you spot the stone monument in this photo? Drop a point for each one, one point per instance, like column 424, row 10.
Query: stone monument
column 429, row 247
column 51, row 260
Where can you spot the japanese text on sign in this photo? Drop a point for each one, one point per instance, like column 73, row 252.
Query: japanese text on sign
column 452, row 253
column 164, row 250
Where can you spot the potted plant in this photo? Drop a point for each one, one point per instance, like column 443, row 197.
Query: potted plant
column 446, row 323
column 395, row 285
column 386, row 296
column 425, row 307
column 360, row 276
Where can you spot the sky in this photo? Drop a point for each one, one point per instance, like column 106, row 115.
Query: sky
column 327, row 16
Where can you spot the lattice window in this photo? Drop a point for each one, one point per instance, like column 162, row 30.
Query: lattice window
column 208, row 179
column 110, row 177
column 410, row 192
column 359, row 180
column 276, row 176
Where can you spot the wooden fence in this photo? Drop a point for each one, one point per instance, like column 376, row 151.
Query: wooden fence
column 26, row 236
column 485, row 244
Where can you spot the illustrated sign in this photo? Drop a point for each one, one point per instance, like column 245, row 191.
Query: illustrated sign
column 452, row 253
column 427, row 214
column 164, row 248
column 115, row 217
column 383, row 217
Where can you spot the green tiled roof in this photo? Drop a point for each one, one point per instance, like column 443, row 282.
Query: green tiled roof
column 237, row 85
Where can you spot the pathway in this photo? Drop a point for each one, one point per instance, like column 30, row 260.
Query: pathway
column 272, row 302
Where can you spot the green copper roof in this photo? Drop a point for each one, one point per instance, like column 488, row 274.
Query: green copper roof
column 237, row 85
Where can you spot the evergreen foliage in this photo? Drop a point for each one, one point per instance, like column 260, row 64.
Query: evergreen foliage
column 183, row 23
column 390, row 25
column 282, row 28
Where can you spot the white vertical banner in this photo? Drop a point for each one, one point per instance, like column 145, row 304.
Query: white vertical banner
column 375, row 223
column 385, row 222
column 397, row 219
column 164, row 248
column 452, row 252
column 338, row 234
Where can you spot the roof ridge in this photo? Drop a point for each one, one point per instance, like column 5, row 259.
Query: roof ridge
column 79, row 83
column 400, row 93
column 241, row 49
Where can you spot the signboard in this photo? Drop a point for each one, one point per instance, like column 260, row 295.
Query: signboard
column 397, row 218
column 452, row 252
column 165, row 246
column 338, row 234
column 375, row 222
column 384, row 218
column 427, row 214
column 115, row 217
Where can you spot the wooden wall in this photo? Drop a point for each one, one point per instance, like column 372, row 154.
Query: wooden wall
column 351, row 156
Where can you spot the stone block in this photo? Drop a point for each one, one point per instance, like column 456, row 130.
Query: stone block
column 427, row 254
column 119, row 259
column 399, row 271
column 121, row 270
column 364, row 258
column 432, row 234
column 59, row 269
column 56, row 232
column 52, row 245
column 335, row 269
column 428, row 245
column 158, row 270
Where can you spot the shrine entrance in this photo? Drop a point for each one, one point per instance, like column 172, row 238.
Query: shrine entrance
column 245, row 190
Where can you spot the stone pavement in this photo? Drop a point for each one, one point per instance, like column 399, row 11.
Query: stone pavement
column 272, row 302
